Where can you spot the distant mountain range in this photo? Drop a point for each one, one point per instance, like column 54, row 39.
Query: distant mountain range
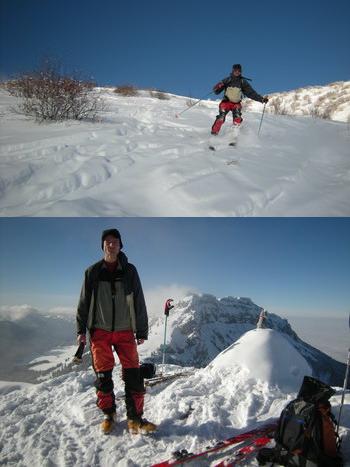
column 201, row 326
column 26, row 335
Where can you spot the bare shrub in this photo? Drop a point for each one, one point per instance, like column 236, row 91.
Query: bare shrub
column 322, row 112
column 277, row 107
column 49, row 95
column 190, row 102
column 159, row 94
column 126, row 90
column 342, row 100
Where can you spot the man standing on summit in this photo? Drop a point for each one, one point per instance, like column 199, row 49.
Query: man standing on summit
column 112, row 307
column 235, row 87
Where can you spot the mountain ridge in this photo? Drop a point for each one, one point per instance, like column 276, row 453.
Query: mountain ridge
column 201, row 326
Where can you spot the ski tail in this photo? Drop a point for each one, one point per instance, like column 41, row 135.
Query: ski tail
column 251, row 437
column 167, row 377
column 244, row 453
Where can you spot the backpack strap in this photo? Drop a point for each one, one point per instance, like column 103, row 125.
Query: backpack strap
column 329, row 439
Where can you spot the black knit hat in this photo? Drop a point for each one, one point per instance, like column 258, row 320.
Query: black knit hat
column 115, row 234
column 237, row 66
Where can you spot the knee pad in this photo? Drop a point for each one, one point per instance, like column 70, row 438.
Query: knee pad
column 104, row 382
column 133, row 380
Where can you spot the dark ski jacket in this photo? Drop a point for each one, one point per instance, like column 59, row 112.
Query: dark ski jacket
column 134, row 298
column 237, row 82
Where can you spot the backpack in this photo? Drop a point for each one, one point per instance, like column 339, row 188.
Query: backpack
column 233, row 94
column 305, row 435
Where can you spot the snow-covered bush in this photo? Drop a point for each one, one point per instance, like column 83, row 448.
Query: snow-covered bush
column 277, row 106
column 49, row 95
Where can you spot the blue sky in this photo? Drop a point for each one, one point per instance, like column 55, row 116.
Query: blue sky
column 288, row 265
column 184, row 46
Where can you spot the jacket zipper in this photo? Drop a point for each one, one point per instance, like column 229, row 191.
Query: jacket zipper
column 113, row 304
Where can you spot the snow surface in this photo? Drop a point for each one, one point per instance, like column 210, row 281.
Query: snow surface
column 57, row 422
column 140, row 160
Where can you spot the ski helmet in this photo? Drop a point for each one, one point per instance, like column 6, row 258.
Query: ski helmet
column 115, row 233
column 237, row 66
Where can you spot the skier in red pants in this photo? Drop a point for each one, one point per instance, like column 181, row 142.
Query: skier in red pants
column 113, row 309
column 235, row 87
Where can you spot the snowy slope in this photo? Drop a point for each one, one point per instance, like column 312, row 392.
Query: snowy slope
column 201, row 326
column 140, row 160
column 57, row 422
column 330, row 102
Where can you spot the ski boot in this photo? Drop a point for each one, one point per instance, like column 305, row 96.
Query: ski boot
column 237, row 121
column 108, row 423
column 142, row 426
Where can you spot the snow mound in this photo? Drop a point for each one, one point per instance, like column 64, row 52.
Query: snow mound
column 265, row 355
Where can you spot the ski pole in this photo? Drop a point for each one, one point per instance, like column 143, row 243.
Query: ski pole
column 167, row 307
column 178, row 115
column 262, row 116
column 345, row 386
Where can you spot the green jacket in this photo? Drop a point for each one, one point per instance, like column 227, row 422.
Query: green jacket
column 112, row 301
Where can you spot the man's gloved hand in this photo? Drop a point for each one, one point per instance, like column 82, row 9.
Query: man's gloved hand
column 218, row 87
column 265, row 100
column 81, row 339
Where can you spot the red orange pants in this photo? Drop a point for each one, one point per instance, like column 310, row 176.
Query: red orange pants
column 123, row 342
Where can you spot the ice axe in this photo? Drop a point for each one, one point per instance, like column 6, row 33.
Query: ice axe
column 345, row 385
column 178, row 115
column 78, row 356
column 167, row 307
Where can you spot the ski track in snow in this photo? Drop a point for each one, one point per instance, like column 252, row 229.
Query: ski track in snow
column 142, row 161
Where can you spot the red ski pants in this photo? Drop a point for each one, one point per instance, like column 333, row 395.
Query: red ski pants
column 224, row 108
column 123, row 342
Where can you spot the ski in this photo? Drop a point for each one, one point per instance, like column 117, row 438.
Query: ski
column 231, row 140
column 215, row 148
column 244, row 453
column 166, row 377
column 183, row 456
